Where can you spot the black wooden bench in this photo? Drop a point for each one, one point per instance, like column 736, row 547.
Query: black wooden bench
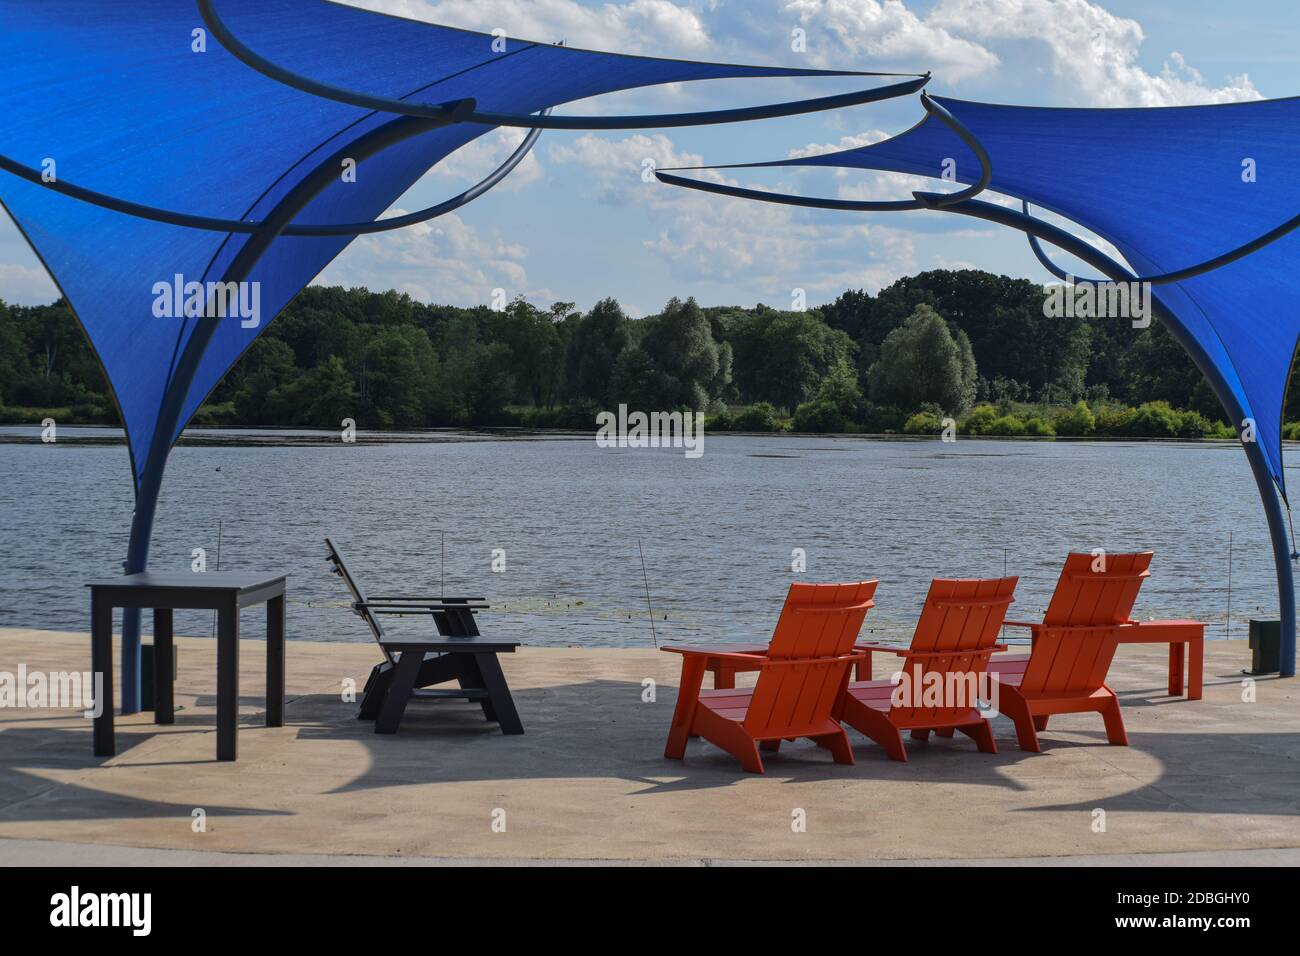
column 412, row 666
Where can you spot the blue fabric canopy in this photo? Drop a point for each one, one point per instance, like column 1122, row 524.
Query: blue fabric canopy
column 116, row 96
column 1166, row 187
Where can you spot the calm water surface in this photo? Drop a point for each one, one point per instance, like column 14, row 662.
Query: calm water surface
column 717, row 531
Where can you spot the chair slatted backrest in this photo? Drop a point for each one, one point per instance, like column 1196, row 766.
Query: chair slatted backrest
column 1102, row 596
column 1074, row 648
column 954, row 638
column 807, row 659
column 358, row 597
column 456, row 622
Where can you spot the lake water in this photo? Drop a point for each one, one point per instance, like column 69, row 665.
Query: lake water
column 717, row 532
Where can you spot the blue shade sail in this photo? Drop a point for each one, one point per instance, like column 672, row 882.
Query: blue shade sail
column 1166, row 187
column 117, row 97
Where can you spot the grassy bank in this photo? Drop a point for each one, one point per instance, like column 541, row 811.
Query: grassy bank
column 1108, row 420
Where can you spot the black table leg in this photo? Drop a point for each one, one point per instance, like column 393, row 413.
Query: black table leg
column 227, row 679
column 275, row 662
column 164, row 700
column 399, row 692
column 101, row 665
column 494, row 682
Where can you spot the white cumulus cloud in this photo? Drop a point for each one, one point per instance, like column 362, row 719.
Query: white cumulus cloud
column 638, row 26
column 1093, row 51
column 444, row 260
column 888, row 34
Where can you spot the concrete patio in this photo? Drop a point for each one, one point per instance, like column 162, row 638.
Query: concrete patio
column 1210, row 781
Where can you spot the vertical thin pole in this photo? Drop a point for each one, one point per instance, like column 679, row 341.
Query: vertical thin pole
column 1004, row 574
column 649, row 610
column 442, row 562
column 214, row 613
column 1227, row 625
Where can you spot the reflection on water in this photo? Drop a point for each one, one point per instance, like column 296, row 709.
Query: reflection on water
column 717, row 531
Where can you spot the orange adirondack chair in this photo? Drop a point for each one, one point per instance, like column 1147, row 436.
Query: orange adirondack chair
column 954, row 638
column 800, row 679
column 1073, row 647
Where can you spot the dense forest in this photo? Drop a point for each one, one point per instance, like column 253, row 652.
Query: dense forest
column 963, row 344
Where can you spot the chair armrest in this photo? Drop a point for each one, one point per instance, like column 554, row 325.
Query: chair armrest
column 837, row 659
column 870, row 646
column 409, row 607
column 991, row 649
column 717, row 655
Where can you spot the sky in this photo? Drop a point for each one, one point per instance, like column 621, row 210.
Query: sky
column 576, row 222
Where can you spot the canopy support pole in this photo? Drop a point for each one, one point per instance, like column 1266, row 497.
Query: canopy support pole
column 1265, row 481
column 1281, row 554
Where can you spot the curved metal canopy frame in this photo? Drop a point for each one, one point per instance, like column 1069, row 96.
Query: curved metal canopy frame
column 443, row 111
column 1036, row 229
column 249, row 227
column 1189, row 272
column 920, row 200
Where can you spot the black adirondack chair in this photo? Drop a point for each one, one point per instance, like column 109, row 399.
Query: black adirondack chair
column 412, row 666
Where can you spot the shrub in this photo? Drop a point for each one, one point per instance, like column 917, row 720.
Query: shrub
column 756, row 418
column 1194, row 425
column 212, row 416
column 721, row 422
column 1007, row 425
column 1037, row 427
column 979, row 421
column 819, row 416
column 923, row 423
column 20, row 415
column 1154, row 420
column 1075, row 423
column 1114, row 421
column 879, row 419
column 1290, row 431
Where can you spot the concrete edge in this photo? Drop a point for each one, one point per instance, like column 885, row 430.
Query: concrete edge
column 52, row 853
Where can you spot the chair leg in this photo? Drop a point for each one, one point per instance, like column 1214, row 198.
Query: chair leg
column 838, row 745
column 730, row 736
column 1040, row 722
column 943, row 731
column 1015, row 707
column 873, row 724
column 503, row 704
column 982, row 734
column 748, row 756
column 372, row 698
column 920, row 734
column 772, row 746
column 688, row 696
column 1115, row 732
column 399, row 692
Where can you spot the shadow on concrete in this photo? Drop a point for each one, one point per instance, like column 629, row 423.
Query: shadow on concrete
column 600, row 729
column 27, row 796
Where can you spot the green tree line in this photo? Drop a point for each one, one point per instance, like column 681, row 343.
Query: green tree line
column 965, row 344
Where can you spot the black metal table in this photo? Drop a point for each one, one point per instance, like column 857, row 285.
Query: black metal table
column 225, row 592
